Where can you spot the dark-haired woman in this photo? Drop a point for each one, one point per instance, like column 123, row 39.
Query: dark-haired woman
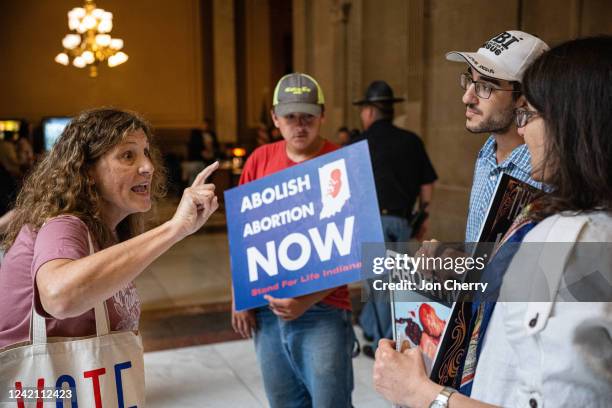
column 550, row 343
column 97, row 181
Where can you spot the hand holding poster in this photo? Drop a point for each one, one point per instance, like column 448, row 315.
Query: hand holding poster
column 300, row 230
column 419, row 314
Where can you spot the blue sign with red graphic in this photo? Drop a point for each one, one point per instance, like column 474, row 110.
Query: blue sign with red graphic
column 300, row 230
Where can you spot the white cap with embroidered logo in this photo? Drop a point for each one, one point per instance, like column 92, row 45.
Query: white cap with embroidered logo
column 298, row 93
column 505, row 56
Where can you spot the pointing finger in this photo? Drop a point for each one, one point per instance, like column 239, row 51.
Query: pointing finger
column 204, row 174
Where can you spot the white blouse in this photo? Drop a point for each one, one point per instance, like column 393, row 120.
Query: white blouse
column 541, row 348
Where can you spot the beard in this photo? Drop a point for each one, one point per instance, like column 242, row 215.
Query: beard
column 498, row 123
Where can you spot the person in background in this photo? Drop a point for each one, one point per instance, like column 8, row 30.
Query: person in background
column 304, row 345
column 8, row 158
column 403, row 174
column 10, row 178
column 344, row 136
column 203, row 145
column 202, row 151
column 100, row 179
column 15, row 162
column 8, row 190
column 554, row 350
column 275, row 135
column 21, row 156
column 25, row 154
column 263, row 136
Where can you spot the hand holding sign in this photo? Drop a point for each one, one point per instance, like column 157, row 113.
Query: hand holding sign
column 197, row 204
column 288, row 308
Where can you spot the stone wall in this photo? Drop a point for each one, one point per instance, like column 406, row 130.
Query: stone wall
column 221, row 58
column 346, row 44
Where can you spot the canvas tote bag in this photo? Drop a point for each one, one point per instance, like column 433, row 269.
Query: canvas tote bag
column 101, row 371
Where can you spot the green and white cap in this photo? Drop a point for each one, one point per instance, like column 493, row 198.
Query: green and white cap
column 298, row 93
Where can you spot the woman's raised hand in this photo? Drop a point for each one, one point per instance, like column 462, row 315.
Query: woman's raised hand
column 197, row 204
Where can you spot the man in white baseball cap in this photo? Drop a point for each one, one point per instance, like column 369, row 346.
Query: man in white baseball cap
column 492, row 84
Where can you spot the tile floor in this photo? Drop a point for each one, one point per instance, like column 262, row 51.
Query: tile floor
column 195, row 271
column 226, row 375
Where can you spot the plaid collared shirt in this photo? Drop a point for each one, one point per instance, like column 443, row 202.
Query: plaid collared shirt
column 486, row 173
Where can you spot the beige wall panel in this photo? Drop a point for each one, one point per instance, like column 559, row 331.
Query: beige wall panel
column 302, row 35
column 345, row 65
column 226, row 106
column 385, row 50
column 323, row 57
column 454, row 25
column 554, row 21
column 444, row 96
column 385, row 43
column 454, row 151
column 257, row 32
column 448, row 213
column 354, row 61
column 314, row 52
column 596, row 17
column 161, row 79
column 465, row 24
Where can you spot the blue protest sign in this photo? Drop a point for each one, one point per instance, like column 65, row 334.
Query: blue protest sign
column 300, row 230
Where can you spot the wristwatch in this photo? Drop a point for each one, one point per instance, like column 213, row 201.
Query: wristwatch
column 441, row 400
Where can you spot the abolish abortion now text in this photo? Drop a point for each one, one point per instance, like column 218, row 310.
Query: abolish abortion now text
column 299, row 231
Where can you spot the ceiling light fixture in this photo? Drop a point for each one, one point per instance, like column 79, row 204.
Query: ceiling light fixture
column 90, row 43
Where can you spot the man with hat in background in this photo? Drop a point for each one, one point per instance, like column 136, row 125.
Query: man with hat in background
column 492, row 84
column 304, row 345
column 402, row 173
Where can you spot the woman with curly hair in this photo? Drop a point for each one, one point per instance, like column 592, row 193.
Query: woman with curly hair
column 97, row 182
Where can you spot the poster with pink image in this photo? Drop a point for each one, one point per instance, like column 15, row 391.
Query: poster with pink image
column 423, row 325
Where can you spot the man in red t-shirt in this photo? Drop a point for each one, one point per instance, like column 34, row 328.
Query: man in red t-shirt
column 304, row 344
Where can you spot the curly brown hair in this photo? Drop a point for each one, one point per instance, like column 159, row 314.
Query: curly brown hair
column 60, row 183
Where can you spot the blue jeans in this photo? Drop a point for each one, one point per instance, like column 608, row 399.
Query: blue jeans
column 395, row 229
column 306, row 362
column 375, row 317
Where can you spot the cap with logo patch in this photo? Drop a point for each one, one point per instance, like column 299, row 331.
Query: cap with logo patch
column 298, row 93
column 505, row 56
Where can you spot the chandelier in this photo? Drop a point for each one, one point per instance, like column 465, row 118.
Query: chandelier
column 89, row 42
